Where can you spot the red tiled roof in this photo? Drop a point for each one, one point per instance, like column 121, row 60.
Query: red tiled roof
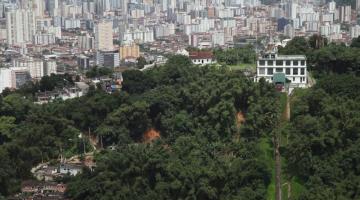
column 201, row 55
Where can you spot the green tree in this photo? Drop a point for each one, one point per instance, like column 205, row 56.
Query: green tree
column 140, row 62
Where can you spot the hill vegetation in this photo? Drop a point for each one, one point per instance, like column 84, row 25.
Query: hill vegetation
column 187, row 132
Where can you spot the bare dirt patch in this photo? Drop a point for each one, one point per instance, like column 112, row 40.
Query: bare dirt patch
column 151, row 135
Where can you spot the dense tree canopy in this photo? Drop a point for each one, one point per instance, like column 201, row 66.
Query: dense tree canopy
column 194, row 110
column 199, row 154
column 188, row 132
column 323, row 58
column 235, row 56
column 324, row 139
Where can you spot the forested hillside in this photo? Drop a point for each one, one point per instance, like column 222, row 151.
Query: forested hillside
column 324, row 148
column 180, row 131
column 205, row 151
column 206, row 123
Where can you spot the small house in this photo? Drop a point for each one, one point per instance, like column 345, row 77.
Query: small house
column 202, row 57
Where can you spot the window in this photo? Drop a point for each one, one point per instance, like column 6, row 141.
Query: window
column 295, row 71
column 270, row 71
column 279, row 70
column 279, row 62
column 302, row 71
column 287, row 71
column 303, row 62
column 270, row 62
column 261, row 70
column 288, row 63
column 295, row 62
column 262, row 62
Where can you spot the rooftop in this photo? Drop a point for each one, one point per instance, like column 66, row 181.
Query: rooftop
column 201, row 55
column 274, row 56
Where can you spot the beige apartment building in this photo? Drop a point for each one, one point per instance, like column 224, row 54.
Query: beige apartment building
column 104, row 36
column 129, row 51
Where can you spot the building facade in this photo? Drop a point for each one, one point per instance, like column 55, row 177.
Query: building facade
column 104, row 36
column 129, row 51
column 292, row 66
column 109, row 59
column 35, row 66
column 20, row 26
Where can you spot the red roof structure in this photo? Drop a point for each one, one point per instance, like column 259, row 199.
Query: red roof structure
column 201, row 55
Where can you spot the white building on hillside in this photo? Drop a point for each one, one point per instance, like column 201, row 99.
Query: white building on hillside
column 292, row 68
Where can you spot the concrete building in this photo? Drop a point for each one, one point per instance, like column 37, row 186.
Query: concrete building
column 129, row 51
column 20, row 26
column 38, row 7
column 83, row 62
column 109, row 59
column 292, row 66
column 345, row 14
column 104, row 36
column 71, row 23
column 5, row 79
column 19, row 76
column 44, row 39
column 86, row 42
column 332, row 6
column 35, row 66
column 355, row 31
column 13, row 77
column 50, row 67
column 52, row 7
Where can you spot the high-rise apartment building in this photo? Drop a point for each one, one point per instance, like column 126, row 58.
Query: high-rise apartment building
column 13, row 77
column 52, row 6
column 20, row 26
column 129, row 51
column 104, row 36
column 332, row 6
column 345, row 14
column 38, row 7
column 34, row 66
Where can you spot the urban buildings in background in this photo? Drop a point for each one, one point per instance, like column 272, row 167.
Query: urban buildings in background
column 42, row 37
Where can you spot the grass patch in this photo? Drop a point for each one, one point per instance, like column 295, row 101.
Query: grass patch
column 296, row 189
column 267, row 156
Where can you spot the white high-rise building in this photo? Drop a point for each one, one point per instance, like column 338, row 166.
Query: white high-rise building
column 104, row 36
column 50, row 67
column 5, row 78
column 332, row 6
column 13, row 77
column 20, row 26
column 34, row 66
column 38, row 7
column 53, row 7
column 355, row 31
column 345, row 13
